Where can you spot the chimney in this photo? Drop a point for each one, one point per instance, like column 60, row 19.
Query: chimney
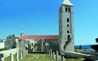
column 21, row 34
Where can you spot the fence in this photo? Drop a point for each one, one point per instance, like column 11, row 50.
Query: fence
column 56, row 56
column 11, row 53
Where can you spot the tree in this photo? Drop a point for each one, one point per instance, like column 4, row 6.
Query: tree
column 80, row 47
column 96, row 40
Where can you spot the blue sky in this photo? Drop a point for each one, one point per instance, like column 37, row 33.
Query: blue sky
column 40, row 17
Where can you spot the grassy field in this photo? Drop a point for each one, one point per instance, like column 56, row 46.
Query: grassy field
column 8, row 58
column 40, row 57
column 36, row 57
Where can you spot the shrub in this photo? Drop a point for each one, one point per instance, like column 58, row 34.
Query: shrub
column 2, row 49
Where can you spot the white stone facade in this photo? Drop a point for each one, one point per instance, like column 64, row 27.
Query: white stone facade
column 2, row 44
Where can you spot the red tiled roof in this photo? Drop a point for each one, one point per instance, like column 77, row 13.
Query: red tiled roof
column 38, row 37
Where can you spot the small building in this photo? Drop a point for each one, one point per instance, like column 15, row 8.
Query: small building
column 2, row 43
column 33, row 43
column 41, row 43
column 10, row 41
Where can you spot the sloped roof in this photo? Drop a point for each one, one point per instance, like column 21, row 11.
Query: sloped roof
column 67, row 2
column 38, row 37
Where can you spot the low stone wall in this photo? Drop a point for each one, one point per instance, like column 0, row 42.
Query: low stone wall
column 7, row 53
column 55, row 56
column 11, row 52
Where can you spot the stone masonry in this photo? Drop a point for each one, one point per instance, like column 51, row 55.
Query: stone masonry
column 66, row 28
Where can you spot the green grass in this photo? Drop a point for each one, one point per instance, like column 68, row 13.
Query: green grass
column 8, row 58
column 36, row 57
column 39, row 57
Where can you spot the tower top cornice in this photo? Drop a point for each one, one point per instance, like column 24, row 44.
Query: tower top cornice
column 67, row 2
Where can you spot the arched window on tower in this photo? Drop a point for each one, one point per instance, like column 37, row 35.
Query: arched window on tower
column 68, row 38
column 67, row 19
column 68, row 31
column 67, row 25
column 66, row 9
column 69, row 9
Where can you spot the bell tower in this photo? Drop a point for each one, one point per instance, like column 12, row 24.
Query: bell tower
column 66, row 27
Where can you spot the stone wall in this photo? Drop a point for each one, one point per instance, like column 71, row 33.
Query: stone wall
column 6, row 53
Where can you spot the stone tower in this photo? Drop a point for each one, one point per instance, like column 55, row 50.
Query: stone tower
column 66, row 28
